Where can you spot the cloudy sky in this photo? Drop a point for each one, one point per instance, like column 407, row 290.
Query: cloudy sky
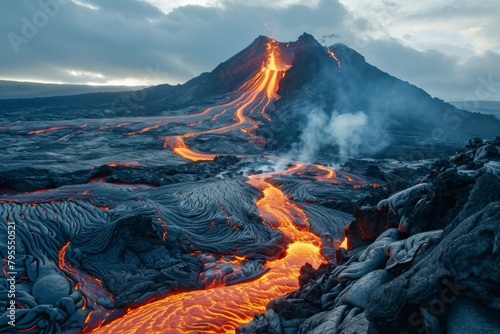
column 451, row 48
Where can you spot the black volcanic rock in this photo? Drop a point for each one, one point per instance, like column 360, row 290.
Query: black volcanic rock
column 440, row 206
column 231, row 74
column 369, row 223
column 309, row 60
column 409, row 107
column 410, row 281
column 453, row 264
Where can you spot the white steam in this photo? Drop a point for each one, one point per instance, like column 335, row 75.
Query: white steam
column 352, row 133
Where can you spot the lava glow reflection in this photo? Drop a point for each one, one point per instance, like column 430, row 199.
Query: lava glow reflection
column 176, row 143
column 91, row 289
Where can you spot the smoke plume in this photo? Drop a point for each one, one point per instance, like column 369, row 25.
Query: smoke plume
column 350, row 133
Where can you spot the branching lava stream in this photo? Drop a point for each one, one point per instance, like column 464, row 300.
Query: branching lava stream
column 222, row 309
column 255, row 94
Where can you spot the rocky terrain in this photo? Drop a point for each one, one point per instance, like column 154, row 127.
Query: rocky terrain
column 423, row 260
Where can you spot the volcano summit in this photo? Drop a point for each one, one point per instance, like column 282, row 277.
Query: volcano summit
column 191, row 208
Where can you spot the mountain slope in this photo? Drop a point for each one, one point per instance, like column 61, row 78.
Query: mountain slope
column 358, row 86
column 313, row 79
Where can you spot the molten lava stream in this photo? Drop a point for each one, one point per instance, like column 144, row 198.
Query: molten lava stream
column 279, row 212
column 343, row 243
column 332, row 54
column 176, row 143
column 255, row 94
column 260, row 90
column 222, row 309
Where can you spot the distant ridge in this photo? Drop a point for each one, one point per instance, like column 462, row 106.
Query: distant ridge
column 26, row 90
column 483, row 107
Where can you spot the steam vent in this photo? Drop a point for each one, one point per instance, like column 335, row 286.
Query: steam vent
column 294, row 189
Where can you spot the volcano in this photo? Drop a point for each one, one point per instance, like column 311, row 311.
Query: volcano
column 189, row 208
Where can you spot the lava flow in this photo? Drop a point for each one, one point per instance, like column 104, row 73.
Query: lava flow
column 51, row 129
column 332, row 54
column 343, row 244
column 252, row 98
column 222, row 309
column 176, row 143
column 255, row 94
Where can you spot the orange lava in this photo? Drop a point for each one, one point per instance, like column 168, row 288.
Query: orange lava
column 323, row 173
column 143, row 130
column 196, row 123
column 222, row 309
column 131, row 164
column 279, row 212
column 104, row 127
column 343, row 243
column 254, row 95
column 51, row 129
column 176, row 143
column 332, row 54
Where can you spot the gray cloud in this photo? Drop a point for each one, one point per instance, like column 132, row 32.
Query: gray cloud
column 449, row 77
column 132, row 39
column 122, row 38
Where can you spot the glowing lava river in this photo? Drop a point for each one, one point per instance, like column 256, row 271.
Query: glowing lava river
column 222, row 309
column 218, row 310
column 138, row 247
